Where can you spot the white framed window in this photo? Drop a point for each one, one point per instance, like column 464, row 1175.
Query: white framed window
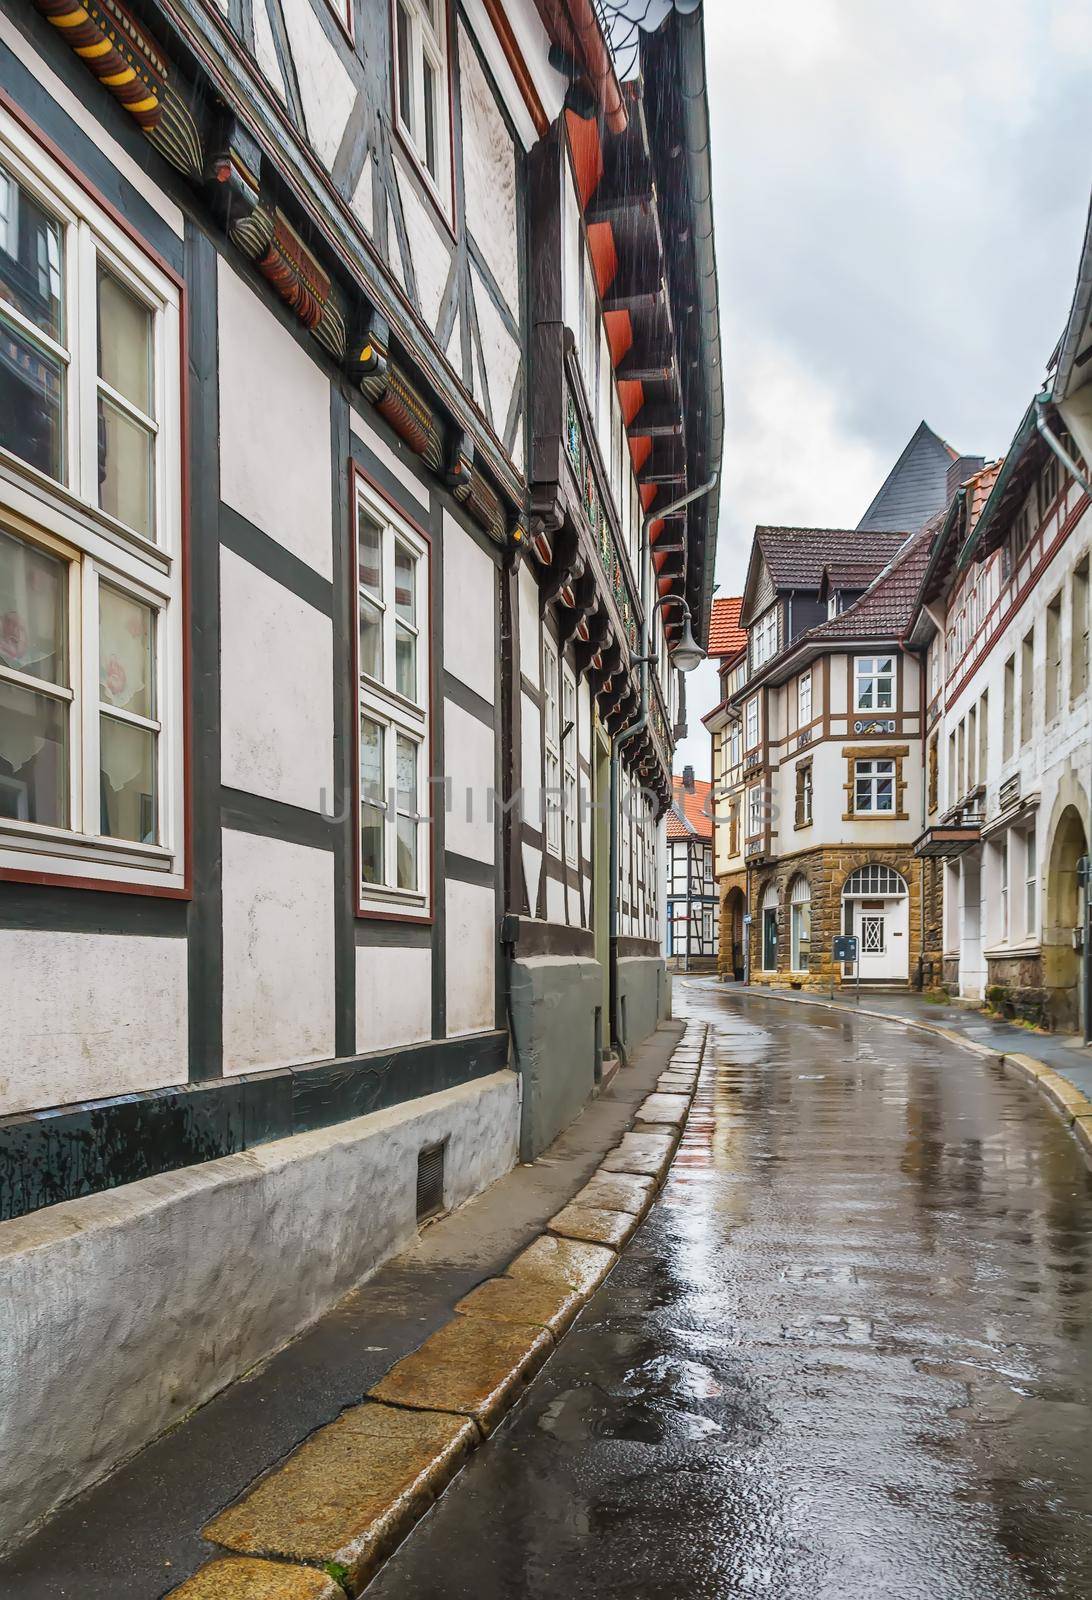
column 1004, row 888
column 765, row 637
column 750, row 724
column 393, row 675
column 754, row 812
column 735, row 750
column 569, row 748
column 1031, row 886
column 421, row 95
column 91, row 690
column 874, row 786
column 551, row 741
column 874, row 678
column 800, row 923
column 803, row 699
column 804, row 794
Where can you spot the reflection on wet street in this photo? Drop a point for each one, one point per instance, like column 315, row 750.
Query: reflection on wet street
column 849, row 1353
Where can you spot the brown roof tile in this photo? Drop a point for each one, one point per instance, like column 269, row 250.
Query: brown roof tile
column 795, row 557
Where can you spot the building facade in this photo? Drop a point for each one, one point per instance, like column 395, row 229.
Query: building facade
column 338, row 391
column 1002, row 627
column 728, row 646
column 691, row 923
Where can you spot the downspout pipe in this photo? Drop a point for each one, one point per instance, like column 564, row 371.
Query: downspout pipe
column 636, row 727
column 1055, row 444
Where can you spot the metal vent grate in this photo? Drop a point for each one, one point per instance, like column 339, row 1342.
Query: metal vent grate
column 430, row 1180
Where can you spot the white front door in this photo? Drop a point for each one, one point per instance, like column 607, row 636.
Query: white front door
column 880, row 926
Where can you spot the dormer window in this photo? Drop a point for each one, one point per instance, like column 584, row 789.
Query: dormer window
column 765, row 637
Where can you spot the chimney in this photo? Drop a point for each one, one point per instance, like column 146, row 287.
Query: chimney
column 961, row 470
column 688, row 779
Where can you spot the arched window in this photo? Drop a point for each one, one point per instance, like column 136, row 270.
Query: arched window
column 800, row 922
column 874, row 881
column 769, row 928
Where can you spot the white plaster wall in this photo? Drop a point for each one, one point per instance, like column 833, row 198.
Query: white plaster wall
column 396, row 460
column 529, row 625
column 470, row 598
column 362, row 200
column 393, row 996
column 278, row 952
column 429, row 247
column 326, row 89
column 274, row 427
column 489, row 175
column 531, row 774
column 500, row 351
column 471, row 957
column 265, row 52
column 181, row 1282
column 277, row 719
column 555, row 900
column 88, row 1015
column 532, row 871
column 470, row 758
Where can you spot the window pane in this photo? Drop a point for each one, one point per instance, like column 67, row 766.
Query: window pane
column 405, row 600
column 370, row 553
column 33, row 756
column 126, row 469
column 126, row 653
column 371, row 792
column 406, row 775
column 405, row 663
column 405, row 82
column 431, row 161
column 125, row 343
column 371, row 760
column 33, row 596
column 32, row 388
column 371, row 640
column 127, row 760
column 31, row 258
column 407, row 853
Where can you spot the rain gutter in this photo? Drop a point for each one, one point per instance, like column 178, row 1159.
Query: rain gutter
column 1055, row 444
column 693, row 90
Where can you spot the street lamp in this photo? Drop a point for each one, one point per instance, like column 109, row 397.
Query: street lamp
column 688, row 653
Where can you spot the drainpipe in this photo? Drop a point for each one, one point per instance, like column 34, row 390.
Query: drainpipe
column 1059, row 449
column 636, row 727
column 1057, row 446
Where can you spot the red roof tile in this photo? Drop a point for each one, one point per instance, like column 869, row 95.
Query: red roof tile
column 691, row 813
column 726, row 637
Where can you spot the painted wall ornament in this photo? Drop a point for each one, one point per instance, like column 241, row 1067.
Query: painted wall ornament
column 130, row 64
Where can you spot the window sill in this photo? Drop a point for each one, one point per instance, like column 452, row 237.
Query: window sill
column 54, row 506
column 44, row 856
column 875, row 816
column 999, row 950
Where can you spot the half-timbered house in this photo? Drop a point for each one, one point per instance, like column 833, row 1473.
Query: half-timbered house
column 347, row 353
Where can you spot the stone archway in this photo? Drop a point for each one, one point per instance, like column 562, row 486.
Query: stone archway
column 1064, row 914
column 733, row 932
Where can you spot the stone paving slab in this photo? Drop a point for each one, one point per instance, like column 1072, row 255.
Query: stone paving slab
column 350, row 1491
column 594, row 1225
column 241, row 1579
column 565, row 1261
column 666, row 1108
column 647, row 1153
column 472, row 1365
column 617, row 1191
column 533, row 1302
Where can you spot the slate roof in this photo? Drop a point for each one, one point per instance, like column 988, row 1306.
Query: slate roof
column 795, row 557
column 686, row 818
column 916, row 488
column 726, row 637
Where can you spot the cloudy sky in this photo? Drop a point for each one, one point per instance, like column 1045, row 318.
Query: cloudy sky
column 901, row 193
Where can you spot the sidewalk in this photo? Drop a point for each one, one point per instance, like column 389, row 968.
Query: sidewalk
column 137, row 1535
column 1072, row 1060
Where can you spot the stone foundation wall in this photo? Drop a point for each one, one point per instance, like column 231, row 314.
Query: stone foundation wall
column 1015, row 988
column 826, row 869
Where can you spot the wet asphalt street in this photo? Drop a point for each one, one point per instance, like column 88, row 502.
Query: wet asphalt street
column 849, row 1353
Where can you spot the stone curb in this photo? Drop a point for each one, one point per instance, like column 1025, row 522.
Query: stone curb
column 341, row 1502
column 1062, row 1097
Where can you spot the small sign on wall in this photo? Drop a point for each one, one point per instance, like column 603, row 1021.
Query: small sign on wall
column 845, row 947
